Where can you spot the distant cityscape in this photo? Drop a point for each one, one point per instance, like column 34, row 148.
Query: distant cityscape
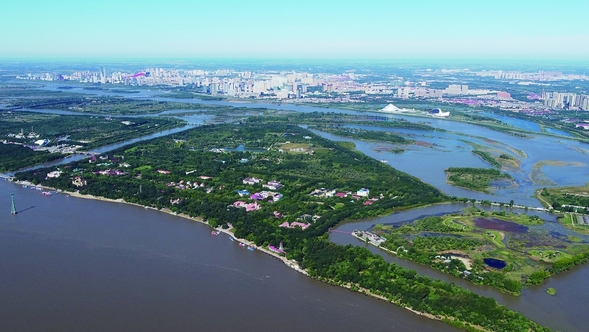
column 347, row 87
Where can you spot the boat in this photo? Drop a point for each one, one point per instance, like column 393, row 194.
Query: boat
column 231, row 238
column 215, row 233
column 250, row 248
column 241, row 244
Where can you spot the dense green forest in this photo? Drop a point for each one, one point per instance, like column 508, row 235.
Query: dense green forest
column 24, row 128
column 199, row 172
column 87, row 131
column 13, row 157
column 362, row 134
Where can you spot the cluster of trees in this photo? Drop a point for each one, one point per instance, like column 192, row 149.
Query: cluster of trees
column 487, row 157
column 363, row 134
column 100, row 104
column 567, row 263
column 338, row 120
column 331, row 166
column 433, row 224
column 360, row 268
column 441, row 243
column 89, row 132
column 558, row 199
column 474, row 178
column 537, row 278
column 14, row 157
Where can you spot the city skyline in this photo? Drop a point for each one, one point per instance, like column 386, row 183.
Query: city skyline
column 304, row 29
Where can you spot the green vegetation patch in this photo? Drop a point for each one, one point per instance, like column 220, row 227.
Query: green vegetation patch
column 487, row 157
column 14, row 157
column 478, row 179
column 461, row 242
column 567, row 199
column 369, row 135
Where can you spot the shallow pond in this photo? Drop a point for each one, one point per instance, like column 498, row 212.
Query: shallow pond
column 500, row 225
column 495, row 263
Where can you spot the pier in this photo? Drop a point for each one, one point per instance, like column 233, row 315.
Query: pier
column 13, row 208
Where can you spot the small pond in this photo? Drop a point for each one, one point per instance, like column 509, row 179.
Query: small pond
column 495, row 263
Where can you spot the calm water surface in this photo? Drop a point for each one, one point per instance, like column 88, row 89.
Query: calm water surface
column 565, row 312
column 70, row 264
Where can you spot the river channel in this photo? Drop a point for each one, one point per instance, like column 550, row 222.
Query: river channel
column 565, row 311
column 72, row 264
column 450, row 148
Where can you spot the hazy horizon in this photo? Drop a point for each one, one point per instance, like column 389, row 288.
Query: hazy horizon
column 371, row 29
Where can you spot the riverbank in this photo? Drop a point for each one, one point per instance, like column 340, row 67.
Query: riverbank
column 228, row 231
column 292, row 264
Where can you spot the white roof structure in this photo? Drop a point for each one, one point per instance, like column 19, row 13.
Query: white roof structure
column 391, row 108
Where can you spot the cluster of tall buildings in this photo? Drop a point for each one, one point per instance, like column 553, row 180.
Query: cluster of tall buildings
column 566, row 100
column 534, row 76
column 347, row 86
column 244, row 84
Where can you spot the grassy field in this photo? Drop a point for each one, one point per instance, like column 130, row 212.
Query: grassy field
column 518, row 239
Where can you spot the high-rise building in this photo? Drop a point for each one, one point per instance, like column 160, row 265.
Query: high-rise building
column 214, row 88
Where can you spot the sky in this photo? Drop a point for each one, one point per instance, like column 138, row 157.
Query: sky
column 371, row 29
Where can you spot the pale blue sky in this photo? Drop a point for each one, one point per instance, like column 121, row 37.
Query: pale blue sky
column 507, row 29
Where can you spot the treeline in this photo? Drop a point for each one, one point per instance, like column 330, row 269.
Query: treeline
column 338, row 120
column 358, row 267
column 559, row 200
column 487, row 157
column 567, row 263
column 87, row 131
column 362, row 134
column 14, row 157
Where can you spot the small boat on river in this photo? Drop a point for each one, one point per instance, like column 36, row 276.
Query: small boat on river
column 241, row 244
column 250, row 248
column 215, row 233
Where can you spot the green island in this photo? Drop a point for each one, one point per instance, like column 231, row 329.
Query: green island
column 477, row 179
column 31, row 138
column 281, row 187
column 113, row 105
column 551, row 291
column 500, row 249
column 362, row 134
column 497, row 154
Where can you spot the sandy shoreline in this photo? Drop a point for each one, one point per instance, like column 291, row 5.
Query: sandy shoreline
column 292, row 264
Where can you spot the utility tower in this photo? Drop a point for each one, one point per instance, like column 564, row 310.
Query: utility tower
column 13, row 208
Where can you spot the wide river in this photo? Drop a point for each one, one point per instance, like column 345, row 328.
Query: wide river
column 79, row 263
column 72, row 264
